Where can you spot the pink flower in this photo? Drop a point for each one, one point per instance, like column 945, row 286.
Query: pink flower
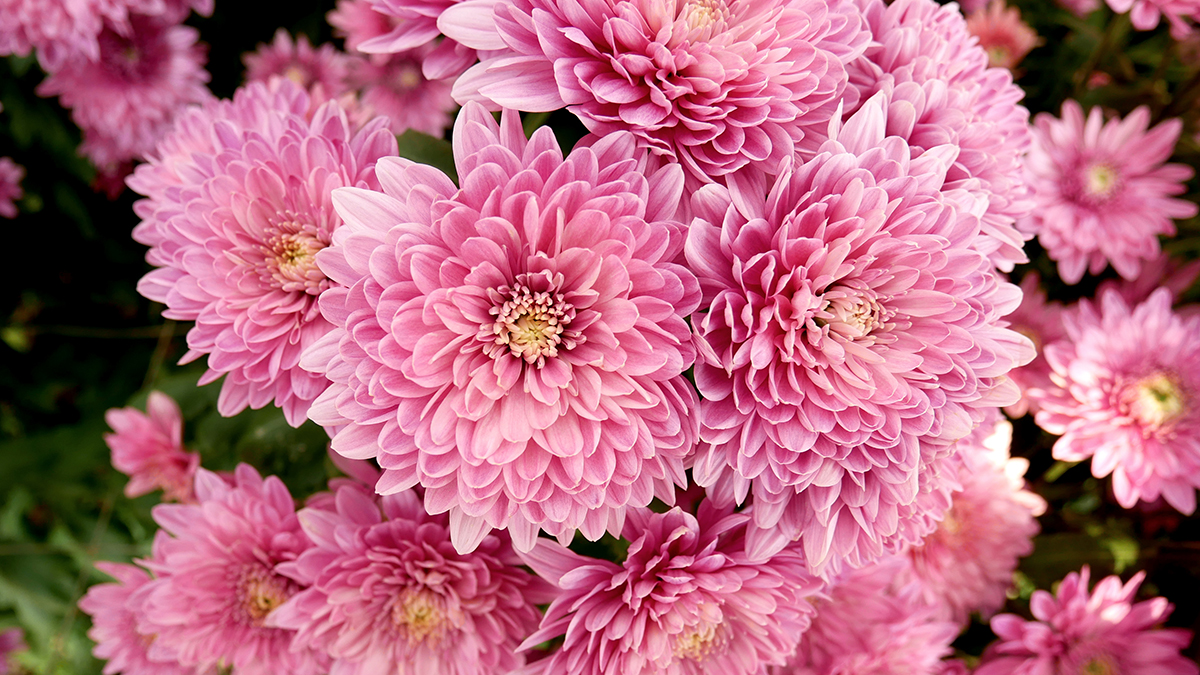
column 300, row 63
column 967, row 564
column 238, row 205
column 1162, row 272
column 11, row 174
column 713, row 85
column 1145, row 14
column 1041, row 322
column 1103, row 191
column 115, row 615
column 1077, row 632
column 216, row 583
column 395, row 87
column 413, row 24
column 872, row 625
column 515, row 347
column 1002, row 34
column 942, row 92
column 149, row 449
column 1127, row 394
column 11, row 640
column 1080, row 8
column 357, row 22
column 387, row 592
column 686, row 601
column 852, row 334
column 127, row 99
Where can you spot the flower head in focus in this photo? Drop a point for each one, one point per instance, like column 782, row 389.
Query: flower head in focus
column 1102, row 632
column 148, row 447
column 1103, row 191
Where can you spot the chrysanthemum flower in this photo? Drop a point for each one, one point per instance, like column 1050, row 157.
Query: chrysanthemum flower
column 386, row 592
column 300, row 63
column 516, row 347
column 115, row 614
column 409, row 25
column 1163, row 271
column 1127, row 395
column 127, row 99
column 1145, row 14
column 967, row 564
column 216, row 582
column 394, row 87
column 1103, row 632
column 1002, row 34
column 1041, row 322
column 872, row 625
column 357, row 22
column 148, row 447
column 11, row 174
column 942, row 92
column 852, row 335
column 239, row 204
column 1103, row 191
column 714, row 85
column 685, row 601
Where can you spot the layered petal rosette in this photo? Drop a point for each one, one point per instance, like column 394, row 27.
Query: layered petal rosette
column 851, row 333
column 516, row 346
column 300, row 62
column 386, row 592
column 1076, row 631
column 685, row 601
column 148, row 447
column 238, row 205
column 215, row 580
column 943, row 92
column 1126, row 393
column 715, row 85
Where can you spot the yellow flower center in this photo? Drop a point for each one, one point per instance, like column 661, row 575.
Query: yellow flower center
column 697, row 642
column 422, row 616
column 1156, row 400
column 1100, row 180
column 1099, row 665
column 260, row 591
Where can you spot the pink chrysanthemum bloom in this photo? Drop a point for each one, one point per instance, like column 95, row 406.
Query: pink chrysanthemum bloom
column 1002, row 34
column 1101, row 633
column 11, row 175
column 357, row 22
column 1164, row 271
column 515, row 347
column 873, row 625
column 126, row 100
column 12, row 640
column 1103, row 191
column 1041, row 322
column 407, row 26
column 714, row 85
column 395, row 88
column 1145, row 14
column 239, row 204
column 216, row 582
column 300, row 63
column 967, row 564
column 1127, row 394
column 148, row 447
column 943, row 92
column 852, row 335
column 114, row 625
column 386, row 592
column 685, row 601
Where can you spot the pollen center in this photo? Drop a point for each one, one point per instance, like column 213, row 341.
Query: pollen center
column 698, row 642
column 533, row 325
column 260, row 591
column 1100, row 181
column 1098, row 665
column 290, row 255
column 1155, row 401
column 852, row 313
column 422, row 616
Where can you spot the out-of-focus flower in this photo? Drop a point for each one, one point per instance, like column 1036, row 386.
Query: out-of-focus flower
column 1164, row 271
column 1041, row 322
column 148, row 447
column 942, row 92
column 1103, row 632
column 1127, row 394
column 300, row 63
column 12, row 640
column 115, row 613
column 215, row 579
column 713, row 85
column 11, row 175
column 395, row 88
column 387, row 592
column 238, row 206
column 967, row 564
column 1080, row 8
column 1145, row 14
column 357, row 22
column 1002, row 34
column 685, row 601
column 852, row 334
column 408, row 25
column 873, row 625
column 515, row 347
column 1103, row 191
column 126, row 100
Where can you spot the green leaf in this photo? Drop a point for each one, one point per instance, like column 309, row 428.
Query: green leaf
column 426, row 149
